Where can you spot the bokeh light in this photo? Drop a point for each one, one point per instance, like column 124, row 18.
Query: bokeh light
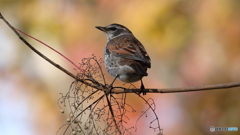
column 191, row 43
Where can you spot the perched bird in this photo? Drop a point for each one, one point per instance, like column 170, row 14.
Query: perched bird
column 125, row 57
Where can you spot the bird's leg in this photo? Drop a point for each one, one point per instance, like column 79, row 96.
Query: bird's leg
column 142, row 88
column 113, row 81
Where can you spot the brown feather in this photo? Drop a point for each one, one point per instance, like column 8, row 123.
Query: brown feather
column 127, row 46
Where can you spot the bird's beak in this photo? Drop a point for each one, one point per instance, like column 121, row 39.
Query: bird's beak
column 101, row 28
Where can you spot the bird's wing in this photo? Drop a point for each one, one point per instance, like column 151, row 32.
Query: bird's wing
column 127, row 46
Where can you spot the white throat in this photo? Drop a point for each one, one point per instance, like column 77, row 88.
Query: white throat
column 110, row 36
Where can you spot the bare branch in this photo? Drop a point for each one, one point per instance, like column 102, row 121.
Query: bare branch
column 43, row 56
column 175, row 90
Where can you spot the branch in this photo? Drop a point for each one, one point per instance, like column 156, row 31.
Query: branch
column 175, row 90
column 46, row 58
column 118, row 90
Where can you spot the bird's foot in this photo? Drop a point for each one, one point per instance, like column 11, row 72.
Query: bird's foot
column 110, row 87
column 142, row 90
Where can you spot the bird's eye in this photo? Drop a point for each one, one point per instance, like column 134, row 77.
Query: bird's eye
column 112, row 28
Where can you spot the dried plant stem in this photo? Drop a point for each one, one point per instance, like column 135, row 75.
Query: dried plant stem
column 43, row 56
column 122, row 90
column 187, row 89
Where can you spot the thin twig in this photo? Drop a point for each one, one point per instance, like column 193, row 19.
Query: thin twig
column 112, row 114
column 51, row 49
column 44, row 57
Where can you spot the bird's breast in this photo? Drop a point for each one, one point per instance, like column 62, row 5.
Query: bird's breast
column 115, row 66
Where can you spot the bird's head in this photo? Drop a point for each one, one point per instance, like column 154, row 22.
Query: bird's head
column 114, row 30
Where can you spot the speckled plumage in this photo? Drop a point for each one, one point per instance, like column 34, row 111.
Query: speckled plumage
column 125, row 59
column 124, row 55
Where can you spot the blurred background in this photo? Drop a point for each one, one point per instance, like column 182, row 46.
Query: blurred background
column 191, row 43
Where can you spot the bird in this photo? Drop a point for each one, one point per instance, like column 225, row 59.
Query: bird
column 125, row 57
